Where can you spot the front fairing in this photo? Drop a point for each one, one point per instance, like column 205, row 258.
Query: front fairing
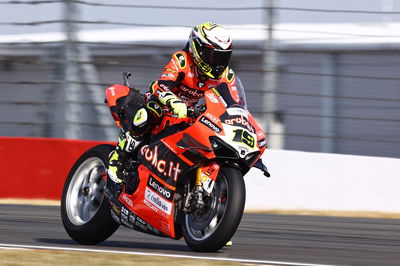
column 226, row 130
column 239, row 130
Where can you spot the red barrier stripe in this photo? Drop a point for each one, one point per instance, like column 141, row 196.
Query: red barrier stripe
column 36, row 168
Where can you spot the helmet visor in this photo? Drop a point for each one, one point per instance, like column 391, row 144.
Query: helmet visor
column 217, row 59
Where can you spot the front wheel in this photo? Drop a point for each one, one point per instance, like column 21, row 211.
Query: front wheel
column 210, row 228
column 85, row 213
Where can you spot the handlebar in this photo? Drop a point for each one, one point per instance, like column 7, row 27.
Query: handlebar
column 192, row 112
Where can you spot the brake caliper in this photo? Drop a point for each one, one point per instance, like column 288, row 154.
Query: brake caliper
column 205, row 180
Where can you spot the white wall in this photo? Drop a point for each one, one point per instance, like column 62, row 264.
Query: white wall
column 320, row 181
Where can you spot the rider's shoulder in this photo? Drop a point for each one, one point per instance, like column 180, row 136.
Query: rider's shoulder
column 181, row 58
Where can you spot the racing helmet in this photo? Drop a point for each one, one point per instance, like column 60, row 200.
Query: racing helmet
column 210, row 46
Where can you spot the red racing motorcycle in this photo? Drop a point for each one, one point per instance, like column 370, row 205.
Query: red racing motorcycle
column 190, row 179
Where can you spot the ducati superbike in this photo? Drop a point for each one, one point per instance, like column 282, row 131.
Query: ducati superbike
column 190, row 178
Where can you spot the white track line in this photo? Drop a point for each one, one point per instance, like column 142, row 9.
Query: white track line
column 15, row 246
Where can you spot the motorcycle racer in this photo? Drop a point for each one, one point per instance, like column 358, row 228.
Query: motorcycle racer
column 201, row 65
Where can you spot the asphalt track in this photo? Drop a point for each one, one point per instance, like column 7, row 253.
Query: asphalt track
column 285, row 238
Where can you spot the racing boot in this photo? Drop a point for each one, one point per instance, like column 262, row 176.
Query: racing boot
column 122, row 166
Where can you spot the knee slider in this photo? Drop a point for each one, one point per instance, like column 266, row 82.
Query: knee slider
column 140, row 122
column 140, row 118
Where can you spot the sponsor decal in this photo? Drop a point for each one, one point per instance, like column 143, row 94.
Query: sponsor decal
column 209, row 171
column 212, row 118
column 124, row 211
column 126, row 223
column 163, row 86
column 208, row 175
column 158, row 202
column 133, row 221
column 112, row 89
column 151, row 206
column 169, row 169
column 210, row 124
column 186, row 98
column 132, row 218
column 173, row 63
column 262, row 143
column 212, row 97
column 127, row 200
column 140, row 220
column 124, row 217
column 237, row 111
column 240, row 121
column 145, row 226
column 141, row 226
column 165, row 227
column 141, row 223
column 192, row 92
column 163, row 191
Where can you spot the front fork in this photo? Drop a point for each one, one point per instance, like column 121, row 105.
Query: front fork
column 206, row 175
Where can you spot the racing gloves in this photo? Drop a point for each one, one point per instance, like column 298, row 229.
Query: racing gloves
column 177, row 106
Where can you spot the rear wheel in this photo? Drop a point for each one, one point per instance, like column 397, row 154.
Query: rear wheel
column 85, row 213
column 210, row 228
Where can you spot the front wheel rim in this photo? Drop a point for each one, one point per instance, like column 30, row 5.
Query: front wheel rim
column 200, row 227
column 86, row 191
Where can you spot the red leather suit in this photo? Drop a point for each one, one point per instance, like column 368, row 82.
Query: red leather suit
column 180, row 77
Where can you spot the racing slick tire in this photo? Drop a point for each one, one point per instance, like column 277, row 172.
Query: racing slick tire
column 210, row 228
column 85, row 212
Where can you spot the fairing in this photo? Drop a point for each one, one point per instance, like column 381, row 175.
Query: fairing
column 170, row 160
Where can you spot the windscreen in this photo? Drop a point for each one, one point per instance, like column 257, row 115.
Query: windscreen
column 223, row 90
column 242, row 94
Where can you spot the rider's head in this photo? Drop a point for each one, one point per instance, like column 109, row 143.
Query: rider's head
column 211, row 47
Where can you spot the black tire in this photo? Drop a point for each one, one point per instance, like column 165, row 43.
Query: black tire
column 85, row 213
column 227, row 210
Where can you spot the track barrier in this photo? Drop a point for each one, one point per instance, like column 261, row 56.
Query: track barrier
column 36, row 168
